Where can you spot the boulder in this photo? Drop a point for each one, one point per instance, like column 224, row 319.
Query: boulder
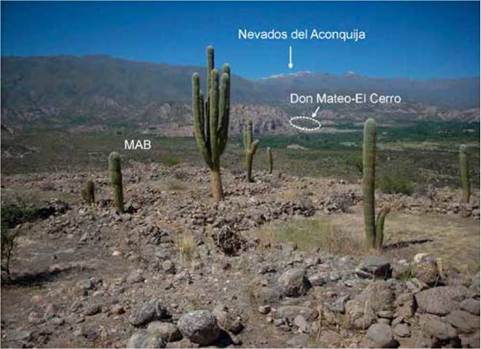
column 404, row 306
column 435, row 327
column 359, row 316
column 319, row 279
column 381, row 335
column 440, row 300
column 301, row 324
column 144, row 339
column 228, row 319
column 401, row 330
column 294, row 283
column 374, row 266
column 148, row 312
column 470, row 305
column 376, row 297
column 199, row 327
column 264, row 295
column 339, row 305
column 261, row 294
column 427, row 271
column 168, row 331
column 463, row 321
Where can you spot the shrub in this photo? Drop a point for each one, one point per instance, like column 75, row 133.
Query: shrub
column 395, row 184
column 12, row 215
column 8, row 246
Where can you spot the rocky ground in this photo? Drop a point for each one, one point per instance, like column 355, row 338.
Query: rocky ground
column 180, row 271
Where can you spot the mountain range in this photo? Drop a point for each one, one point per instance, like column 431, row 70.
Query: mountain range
column 101, row 91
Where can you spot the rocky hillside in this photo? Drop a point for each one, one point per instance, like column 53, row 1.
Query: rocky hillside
column 179, row 271
column 101, row 91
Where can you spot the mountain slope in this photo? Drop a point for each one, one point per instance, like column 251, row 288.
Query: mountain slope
column 459, row 93
column 69, row 91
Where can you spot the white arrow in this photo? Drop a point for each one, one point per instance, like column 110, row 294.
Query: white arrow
column 290, row 64
column 315, row 112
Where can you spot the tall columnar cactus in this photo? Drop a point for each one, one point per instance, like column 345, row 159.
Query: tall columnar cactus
column 211, row 119
column 250, row 148
column 116, row 179
column 464, row 173
column 374, row 228
column 88, row 192
column 270, row 159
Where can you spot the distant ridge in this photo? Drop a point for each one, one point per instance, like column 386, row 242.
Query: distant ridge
column 54, row 91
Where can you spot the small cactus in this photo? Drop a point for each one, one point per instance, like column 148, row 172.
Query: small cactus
column 464, row 173
column 116, row 179
column 373, row 227
column 88, row 192
column 381, row 216
column 270, row 159
column 211, row 119
column 250, row 148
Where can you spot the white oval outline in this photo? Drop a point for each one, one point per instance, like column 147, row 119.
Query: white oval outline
column 308, row 129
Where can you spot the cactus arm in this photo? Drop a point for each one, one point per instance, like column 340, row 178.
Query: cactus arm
column 222, row 101
column 207, row 122
column 210, row 66
column 214, row 116
column 199, row 123
column 248, row 135
column 254, row 147
column 224, row 109
column 226, row 69
column 200, row 110
column 368, row 180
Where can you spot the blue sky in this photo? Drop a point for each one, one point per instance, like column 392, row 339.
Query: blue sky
column 417, row 40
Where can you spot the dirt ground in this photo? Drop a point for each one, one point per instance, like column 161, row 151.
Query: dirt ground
column 57, row 254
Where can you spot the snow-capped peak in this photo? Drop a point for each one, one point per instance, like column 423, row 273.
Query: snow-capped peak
column 289, row 75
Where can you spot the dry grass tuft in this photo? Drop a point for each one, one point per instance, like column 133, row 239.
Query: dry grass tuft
column 186, row 246
column 309, row 234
